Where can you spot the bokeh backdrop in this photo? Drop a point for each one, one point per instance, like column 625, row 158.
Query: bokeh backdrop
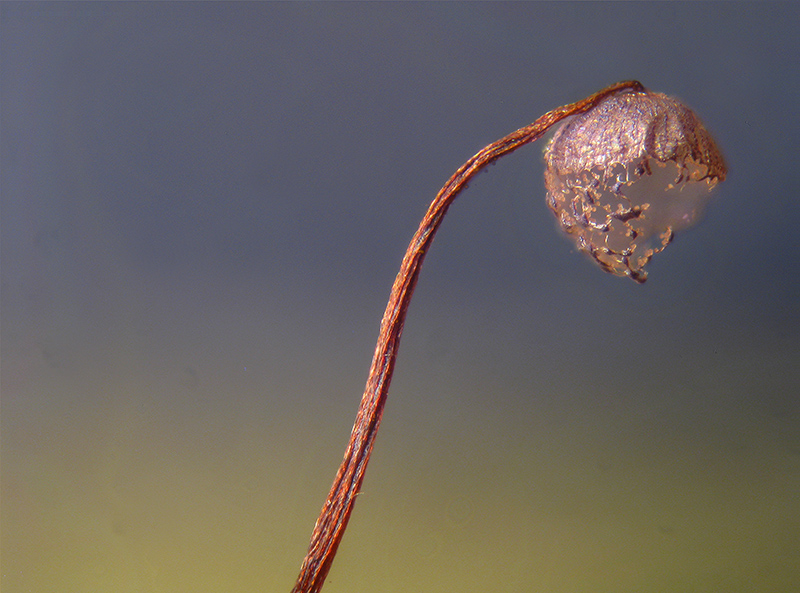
column 203, row 208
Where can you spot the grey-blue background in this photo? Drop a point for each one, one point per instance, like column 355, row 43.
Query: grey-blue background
column 203, row 208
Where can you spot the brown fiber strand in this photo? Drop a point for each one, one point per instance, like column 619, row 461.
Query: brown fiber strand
column 335, row 514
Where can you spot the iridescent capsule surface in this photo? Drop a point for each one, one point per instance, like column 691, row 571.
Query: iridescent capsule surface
column 623, row 177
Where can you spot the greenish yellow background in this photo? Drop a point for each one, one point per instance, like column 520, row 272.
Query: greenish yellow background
column 203, row 209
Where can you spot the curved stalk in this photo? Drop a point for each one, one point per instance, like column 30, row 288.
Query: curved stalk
column 336, row 511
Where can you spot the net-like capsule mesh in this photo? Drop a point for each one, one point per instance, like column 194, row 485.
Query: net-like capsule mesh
column 623, row 177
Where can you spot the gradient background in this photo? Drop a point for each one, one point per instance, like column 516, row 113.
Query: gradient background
column 203, row 209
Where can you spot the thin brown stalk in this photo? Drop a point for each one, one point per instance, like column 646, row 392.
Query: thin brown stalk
column 333, row 518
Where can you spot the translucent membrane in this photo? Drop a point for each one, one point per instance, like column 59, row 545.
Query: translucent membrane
column 623, row 215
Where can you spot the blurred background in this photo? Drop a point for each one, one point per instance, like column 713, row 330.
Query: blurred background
column 203, row 209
